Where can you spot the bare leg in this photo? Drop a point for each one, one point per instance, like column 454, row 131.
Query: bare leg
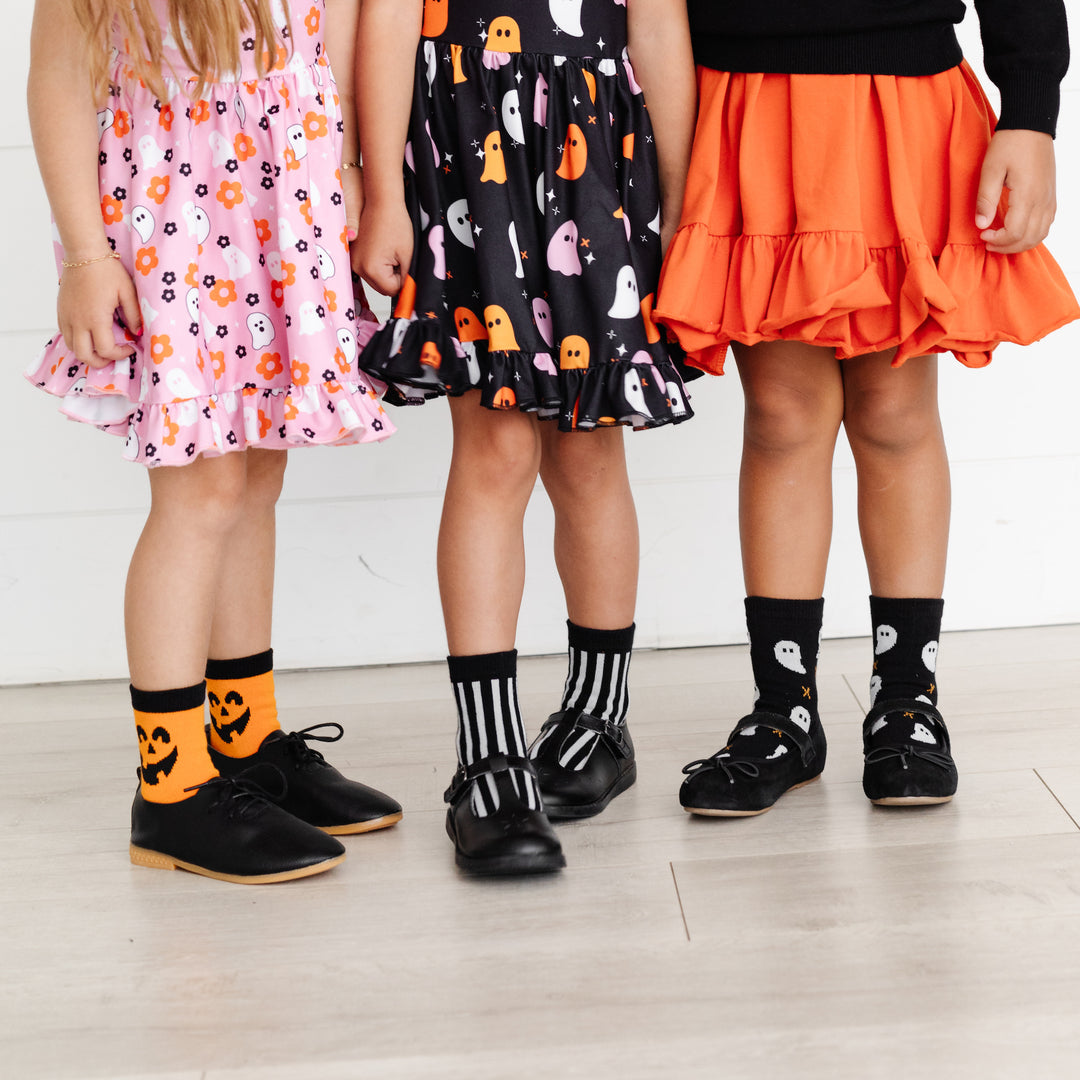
column 481, row 545
column 244, row 600
column 794, row 406
column 173, row 579
column 892, row 422
column 596, row 531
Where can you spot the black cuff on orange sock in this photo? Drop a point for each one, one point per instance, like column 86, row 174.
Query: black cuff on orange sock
column 163, row 701
column 246, row 667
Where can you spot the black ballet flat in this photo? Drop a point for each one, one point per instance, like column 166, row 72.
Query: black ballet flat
column 513, row 839
column 608, row 771
column 229, row 830
column 316, row 792
column 905, row 773
column 727, row 785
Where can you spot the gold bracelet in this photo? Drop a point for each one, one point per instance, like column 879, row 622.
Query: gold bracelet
column 351, row 165
column 87, row 262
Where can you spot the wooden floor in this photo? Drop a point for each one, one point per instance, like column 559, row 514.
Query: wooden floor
column 827, row 938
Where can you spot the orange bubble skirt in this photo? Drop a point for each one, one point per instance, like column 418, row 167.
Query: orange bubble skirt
column 839, row 210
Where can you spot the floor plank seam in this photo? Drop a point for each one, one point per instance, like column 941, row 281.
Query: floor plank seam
column 1055, row 798
column 851, row 690
column 678, row 896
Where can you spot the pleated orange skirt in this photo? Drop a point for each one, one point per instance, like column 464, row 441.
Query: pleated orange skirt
column 839, row 210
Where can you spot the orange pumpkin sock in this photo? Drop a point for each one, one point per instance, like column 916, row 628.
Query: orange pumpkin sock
column 172, row 742
column 243, row 709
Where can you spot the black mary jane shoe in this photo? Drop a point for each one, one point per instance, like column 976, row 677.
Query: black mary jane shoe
column 229, row 830
column 316, row 792
column 907, row 773
column 514, row 839
column 726, row 785
column 608, row 771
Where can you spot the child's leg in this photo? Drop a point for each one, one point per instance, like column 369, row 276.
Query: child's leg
column 244, row 728
column 239, row 670
column 494, row 816
column 596, row 552
column 182, row 815
column 794, row 404
column 895, row 433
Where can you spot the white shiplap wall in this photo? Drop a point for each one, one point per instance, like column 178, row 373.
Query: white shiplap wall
column 356, row 578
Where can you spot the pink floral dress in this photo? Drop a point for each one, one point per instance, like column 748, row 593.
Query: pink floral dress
column 227, row 212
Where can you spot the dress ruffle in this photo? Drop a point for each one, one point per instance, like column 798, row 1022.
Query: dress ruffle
column 419, row 360
column 760, row 262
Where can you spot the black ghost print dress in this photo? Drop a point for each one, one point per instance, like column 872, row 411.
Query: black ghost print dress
column 531, row 179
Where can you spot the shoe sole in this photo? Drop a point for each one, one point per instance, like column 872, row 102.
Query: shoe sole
column 507, row 865
column 157, row 861
column 585, row 810
column 913, row 800
column 705, row 812
column 362, row 826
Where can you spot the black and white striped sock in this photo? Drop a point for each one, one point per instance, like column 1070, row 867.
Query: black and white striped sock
column 597, row 683
column 489, row 722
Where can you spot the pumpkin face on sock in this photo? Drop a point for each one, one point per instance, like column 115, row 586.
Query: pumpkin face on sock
column 157, row 753
column 229, row 717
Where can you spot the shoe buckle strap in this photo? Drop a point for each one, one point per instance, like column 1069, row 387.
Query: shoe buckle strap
column 615, row 732
column 916, row 708
column 779, row 723
column 495, row 763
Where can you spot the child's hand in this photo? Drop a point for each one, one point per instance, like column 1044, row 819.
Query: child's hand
column 1023, row 162
column 383, row 251
column 352, row 187
column 88, row 297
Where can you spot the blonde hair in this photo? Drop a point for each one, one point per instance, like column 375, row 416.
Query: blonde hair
column 207, row 32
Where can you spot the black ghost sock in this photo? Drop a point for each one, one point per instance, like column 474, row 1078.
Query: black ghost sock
column 906, row 634
column 784, row 639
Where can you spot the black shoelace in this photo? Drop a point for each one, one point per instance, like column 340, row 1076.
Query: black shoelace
column 242, row 795
column 748, row 769
column 883, row 753
column 296, row 743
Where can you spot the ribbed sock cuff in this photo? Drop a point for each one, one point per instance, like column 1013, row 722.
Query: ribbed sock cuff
column 246, row 667
column 600, row 641
column 167, row 701
column 498, row 665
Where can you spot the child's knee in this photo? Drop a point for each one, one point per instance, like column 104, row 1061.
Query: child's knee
column 785, row 419
column 265, row 477
column 583, row 463
column 882, row 420
column 499, row 451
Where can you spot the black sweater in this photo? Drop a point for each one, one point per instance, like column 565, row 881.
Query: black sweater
column 1025, row 43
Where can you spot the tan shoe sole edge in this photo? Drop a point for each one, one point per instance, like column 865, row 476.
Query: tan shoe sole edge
column 157, row 861
column 362, row 826
column 913, row 800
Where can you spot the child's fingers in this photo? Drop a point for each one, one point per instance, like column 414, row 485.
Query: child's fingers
column 1026, row 224
column 106, row 348
column 991, row 185
column 129, row 305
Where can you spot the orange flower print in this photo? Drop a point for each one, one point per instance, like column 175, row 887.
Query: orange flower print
column 146, row 260
column 288, row 274
column 264, row 424
column 270, row 365
column 300, row 373
column 284, row 91
column 315, row 125
column 224, row 292
column 330, row 299
column 341, row 361
column 290, row 160
column 277, row 293
column 157, row 189
column 170, row 429
column 218, row 360
column 262, row 228
column 244, row 145
column 305, row 210
column 200, row 112
column 311, row 21
column 166, row 117
column 121, row 123
column 291, row 411
column 160, row 347
column 112, row 210
column 192, row 276
column 230, row 194
column 278, row 64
